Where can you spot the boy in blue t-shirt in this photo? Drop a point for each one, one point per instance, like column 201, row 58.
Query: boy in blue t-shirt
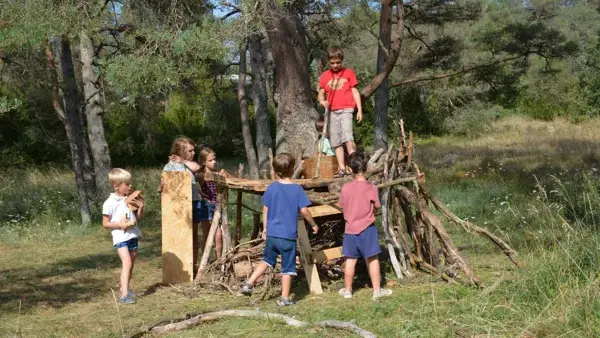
column 282, row 200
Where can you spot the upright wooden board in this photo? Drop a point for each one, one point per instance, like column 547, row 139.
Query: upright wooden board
column 177, row 232
column 310, row 269
column 329, row 166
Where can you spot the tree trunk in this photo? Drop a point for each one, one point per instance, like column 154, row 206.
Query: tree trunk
column 94, row 108
column 380, row 140
column 258, row 63
column 60, row 59
column 243, row 100
column 296, row 113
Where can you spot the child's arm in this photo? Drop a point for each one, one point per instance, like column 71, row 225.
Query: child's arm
column 265, row 213
column 192, row 165
column 356, row 96
column 123, row 224
column 308, row 217
column 321, row 98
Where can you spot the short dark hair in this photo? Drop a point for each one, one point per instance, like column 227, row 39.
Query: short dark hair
column 358, row 162
column 335, row 53
column 283, row 165
column 320, row 123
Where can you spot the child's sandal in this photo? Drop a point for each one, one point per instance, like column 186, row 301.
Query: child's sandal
column 339, row 174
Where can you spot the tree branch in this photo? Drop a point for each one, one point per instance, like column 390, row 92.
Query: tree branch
column 456, row 73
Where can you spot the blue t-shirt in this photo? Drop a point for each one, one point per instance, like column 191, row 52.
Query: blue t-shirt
column 283, row 202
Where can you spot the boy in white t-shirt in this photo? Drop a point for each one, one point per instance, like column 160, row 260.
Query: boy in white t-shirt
column 118, row 216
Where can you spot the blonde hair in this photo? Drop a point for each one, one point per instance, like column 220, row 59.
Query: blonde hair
column 178, row 147
column 203, row 156
column 118, row 176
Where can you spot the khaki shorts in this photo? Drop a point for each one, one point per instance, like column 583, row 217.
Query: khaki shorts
column 340, row 127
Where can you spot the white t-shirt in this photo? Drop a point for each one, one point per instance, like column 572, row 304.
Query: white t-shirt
column 115, row 208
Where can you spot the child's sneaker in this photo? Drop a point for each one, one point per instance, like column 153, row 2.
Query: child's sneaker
column 285, row 302
column 381, row 293
column 127, row 299
column 246, row 289
column 345, row 293
column 131, row 293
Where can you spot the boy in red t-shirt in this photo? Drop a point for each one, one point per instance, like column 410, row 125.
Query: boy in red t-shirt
column 343, row 97
column 359, row 199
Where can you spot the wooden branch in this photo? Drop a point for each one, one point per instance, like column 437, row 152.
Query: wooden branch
column 211, row 238
column 396, row 182
column 271, row 163
column 238, row 218
column 220, row 284
column 346, row 326
column 464, row 70
column 225, row 228
column 298, row 170
column 375, row 157
column 212, row 316
column 506, row 249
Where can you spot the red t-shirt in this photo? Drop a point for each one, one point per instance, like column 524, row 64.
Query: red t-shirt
column 358, row 199
column 338, row 87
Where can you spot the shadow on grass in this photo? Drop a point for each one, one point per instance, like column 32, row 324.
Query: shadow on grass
column 67, row 281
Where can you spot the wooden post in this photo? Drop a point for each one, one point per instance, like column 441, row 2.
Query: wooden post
column 177, row 232
column 256, row 226
column 210, row 241
column 238, row 217
column 310, row 269
column 225, row 229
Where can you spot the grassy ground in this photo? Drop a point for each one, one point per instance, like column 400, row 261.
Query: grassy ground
column 533, row 183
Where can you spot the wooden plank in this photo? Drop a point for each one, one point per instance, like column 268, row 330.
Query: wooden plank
column 310, row 269
column 327, row 167
column 177, row 232
column 323, row 210
column 238, row 218
column 327, row 254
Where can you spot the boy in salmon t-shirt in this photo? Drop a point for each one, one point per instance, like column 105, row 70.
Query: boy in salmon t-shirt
column 343, row 97
column 359, row 199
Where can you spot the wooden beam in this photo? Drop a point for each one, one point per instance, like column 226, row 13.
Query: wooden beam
column 327, row 254
column 323, row 210
column 310, row 269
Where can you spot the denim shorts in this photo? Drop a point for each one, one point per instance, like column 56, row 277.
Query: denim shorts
column 196, row 212
column 206, row 211
column 286, row 248
column 365, row 244
column 131, row 244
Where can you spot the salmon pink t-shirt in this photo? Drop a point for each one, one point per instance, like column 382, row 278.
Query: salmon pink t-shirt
column 338, row 87
column 358, row 201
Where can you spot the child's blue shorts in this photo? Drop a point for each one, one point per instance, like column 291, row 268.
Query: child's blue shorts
column 206, row 211
column 365, row 244
column 131, row 244
column 286, row 248
column 196, row 211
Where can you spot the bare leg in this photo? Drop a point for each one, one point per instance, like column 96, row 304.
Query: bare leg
column 260, row 269
column 373, row 264
column 132, row 255
column 286, row 286
column 125, row 270
column 351, row 147
column 339, row 155
column 349, row 273
column 219, row 242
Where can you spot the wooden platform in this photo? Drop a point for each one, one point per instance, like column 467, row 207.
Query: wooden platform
column 259, row 186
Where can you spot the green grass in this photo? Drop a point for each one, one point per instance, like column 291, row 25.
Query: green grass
column 56, row 277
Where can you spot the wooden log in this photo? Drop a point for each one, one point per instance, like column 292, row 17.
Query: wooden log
column 238, row 217
column 347, row 326
column 310, row 269
column 210, row 241
column 399, row 244
column 375, row 157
